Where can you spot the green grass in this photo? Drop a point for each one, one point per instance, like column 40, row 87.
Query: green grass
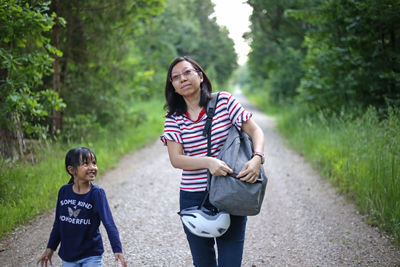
column 27, row 190
column 360, row 155
column 259, row 99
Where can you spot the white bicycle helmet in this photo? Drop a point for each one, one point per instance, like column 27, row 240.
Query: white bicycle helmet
column 204, row 222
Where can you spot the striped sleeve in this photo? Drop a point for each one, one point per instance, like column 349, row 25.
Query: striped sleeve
column 237, row 113
column 172, row 131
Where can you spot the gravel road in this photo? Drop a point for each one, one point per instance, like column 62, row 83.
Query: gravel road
column 303, row 222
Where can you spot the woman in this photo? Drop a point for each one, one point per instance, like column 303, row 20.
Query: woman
column 187, row 92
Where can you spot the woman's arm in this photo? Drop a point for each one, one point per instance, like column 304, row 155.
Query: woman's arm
column 251, row 169
column 256, row 134
column 181, row 161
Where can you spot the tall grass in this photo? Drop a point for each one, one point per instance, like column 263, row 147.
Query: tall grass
column 27, row 190
column 360, row 155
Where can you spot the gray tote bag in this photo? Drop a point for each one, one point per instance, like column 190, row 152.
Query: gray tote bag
column 228, row 193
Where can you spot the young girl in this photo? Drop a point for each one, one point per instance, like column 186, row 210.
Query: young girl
column 81, row 206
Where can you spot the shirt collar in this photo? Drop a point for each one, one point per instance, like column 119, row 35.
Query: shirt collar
column 202, row 112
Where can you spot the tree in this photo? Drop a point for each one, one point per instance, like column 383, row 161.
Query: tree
column 26, row 57
column 187, row 28
column 100, row 64
column 114, row 53
column 276, row 47
column 353, row 55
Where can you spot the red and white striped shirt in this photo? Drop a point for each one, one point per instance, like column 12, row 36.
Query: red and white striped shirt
column 181, row 129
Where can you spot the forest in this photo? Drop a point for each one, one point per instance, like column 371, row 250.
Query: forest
column 331, row 73
column 92, row 73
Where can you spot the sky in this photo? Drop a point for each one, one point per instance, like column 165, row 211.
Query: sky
column 234, row 14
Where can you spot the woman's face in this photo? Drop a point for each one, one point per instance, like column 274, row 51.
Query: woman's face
column 186, row 79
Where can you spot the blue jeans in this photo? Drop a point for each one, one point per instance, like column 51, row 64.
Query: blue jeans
column 93, row 261
column 229, row 245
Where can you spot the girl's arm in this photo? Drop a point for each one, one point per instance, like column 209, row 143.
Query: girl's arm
column 181, row 161
column 251, row 169
column 108, row 222
column 55, row 235
column 54, row 238
column 46, row 257
column 120, row 257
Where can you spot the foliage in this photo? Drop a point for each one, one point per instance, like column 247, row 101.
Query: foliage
column 353, row 55
column 276, row 52
column 26, row 56
column 327, row 54
column 359, row 154
column 124, row 65
column 114, row 54
column 102, row 72
column 186, row 28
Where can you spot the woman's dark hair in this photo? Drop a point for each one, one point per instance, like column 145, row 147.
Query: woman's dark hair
column 75, row 157
column 175, row 104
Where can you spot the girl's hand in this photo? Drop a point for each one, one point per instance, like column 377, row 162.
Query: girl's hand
column 120, row 256
column 218, row 167
column 47, row 255
column 250, row 170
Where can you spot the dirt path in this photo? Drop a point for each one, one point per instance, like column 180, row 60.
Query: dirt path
column 303, row 221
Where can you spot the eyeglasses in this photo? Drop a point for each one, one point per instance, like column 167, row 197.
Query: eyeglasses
column 187, row 73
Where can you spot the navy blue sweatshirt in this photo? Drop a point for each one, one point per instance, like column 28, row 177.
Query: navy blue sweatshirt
column 77, row 222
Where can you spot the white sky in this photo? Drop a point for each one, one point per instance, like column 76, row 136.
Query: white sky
column 234, row 14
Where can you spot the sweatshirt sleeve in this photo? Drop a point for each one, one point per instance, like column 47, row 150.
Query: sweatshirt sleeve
column 55, row 235
column 108, row 221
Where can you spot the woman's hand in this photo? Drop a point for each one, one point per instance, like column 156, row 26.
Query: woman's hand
column 120, row 256
column 218, row 167
column 46, row 257
column 250, row 170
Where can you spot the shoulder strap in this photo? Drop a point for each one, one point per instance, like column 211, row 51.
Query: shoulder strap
column 211, row 106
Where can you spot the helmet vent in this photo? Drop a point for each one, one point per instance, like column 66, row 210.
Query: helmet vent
column 191, row 224
column 221, row 230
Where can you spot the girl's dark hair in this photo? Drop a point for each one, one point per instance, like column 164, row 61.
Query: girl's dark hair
column 75, row 157
column 175, row 104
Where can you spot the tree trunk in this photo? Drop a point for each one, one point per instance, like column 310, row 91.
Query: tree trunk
column 12, row 144
column 56, row 115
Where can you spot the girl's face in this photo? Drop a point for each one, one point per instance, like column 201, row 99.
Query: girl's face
column 186, row 79
column 86, row 171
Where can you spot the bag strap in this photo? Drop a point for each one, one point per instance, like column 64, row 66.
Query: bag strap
column 211, row 106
